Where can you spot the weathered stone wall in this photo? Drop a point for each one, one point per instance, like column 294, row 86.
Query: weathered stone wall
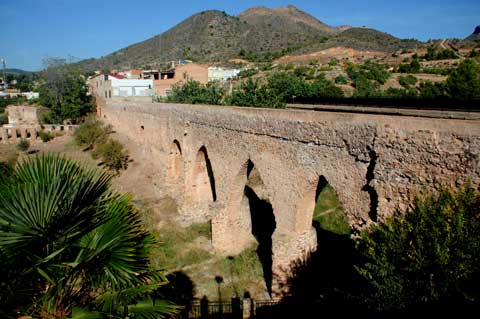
column 10, row 134
column 375, row 163
column 24, row 115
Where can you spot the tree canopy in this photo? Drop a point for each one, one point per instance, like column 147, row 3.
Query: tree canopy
column 426, row 258
column 64, row 91
column 464, row 82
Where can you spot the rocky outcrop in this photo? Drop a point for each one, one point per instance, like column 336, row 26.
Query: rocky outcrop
column 475, row 35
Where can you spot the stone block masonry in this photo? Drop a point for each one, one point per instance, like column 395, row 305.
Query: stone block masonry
column 207, row 155
column 10, row 134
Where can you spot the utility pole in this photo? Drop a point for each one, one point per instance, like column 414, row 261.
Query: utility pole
column 4, row 62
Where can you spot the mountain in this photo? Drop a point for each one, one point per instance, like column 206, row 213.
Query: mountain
column 216, row 36
column 15, row 71
column 475, row 35
column 289, row 18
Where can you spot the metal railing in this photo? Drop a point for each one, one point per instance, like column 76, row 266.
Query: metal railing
column 235, row 309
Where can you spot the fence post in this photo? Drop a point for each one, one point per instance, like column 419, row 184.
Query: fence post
column 204, row 308
column 236, row 308
column 247, row 308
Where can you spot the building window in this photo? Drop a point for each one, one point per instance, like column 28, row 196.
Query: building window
column 109, row 94
column 105, row 94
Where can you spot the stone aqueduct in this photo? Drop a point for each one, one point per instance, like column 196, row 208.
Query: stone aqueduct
column 206, row 155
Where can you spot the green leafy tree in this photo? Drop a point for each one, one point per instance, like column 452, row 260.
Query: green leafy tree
column 286, row 85
column 322, row 87
column 64, row 91
column 427, row 258
column 193, row 92
column 464, row 81
column 431, row 90
column 66, row 239
column 252, row 93
column 435, row 53
column 365, row 87
column 412, row 67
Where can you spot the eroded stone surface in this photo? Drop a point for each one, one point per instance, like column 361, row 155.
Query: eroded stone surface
column 375, row 163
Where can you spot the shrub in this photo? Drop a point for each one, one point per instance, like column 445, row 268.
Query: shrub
column 247, row 73
column 365, row 87
column 439, row 54
column 341, row 79
column 6, row 170
column 428, row 257
column 112, row 155
column 464, row 82
column 92, row 132
column 412, row 67
column 400, row 93
column 333, row 62
column 369, row 70
column 46, row 136
column 474, row 53
column 301, row 71
column 23, row 145
column 431, row 90
column 3, row 119
column 407, row 81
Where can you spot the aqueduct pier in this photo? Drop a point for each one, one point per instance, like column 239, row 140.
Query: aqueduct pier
column 213, row 159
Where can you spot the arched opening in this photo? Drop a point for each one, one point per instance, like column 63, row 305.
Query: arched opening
column 175, row 160
column 263, row 226
column 328, row 214
column 329, row 269
column 262, row 219
column 203, row 181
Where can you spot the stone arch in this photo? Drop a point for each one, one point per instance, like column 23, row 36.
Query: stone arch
column 332, row 250
column 250, row 217
column 203, row 180
column 320, row 202
column 175, row 161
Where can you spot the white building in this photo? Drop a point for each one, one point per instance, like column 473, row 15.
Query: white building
column 108, row 85
column 221, row 74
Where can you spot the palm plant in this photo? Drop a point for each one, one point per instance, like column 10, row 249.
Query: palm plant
column 66, row 239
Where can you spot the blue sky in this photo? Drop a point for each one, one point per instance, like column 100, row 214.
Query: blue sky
column 34, row 29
